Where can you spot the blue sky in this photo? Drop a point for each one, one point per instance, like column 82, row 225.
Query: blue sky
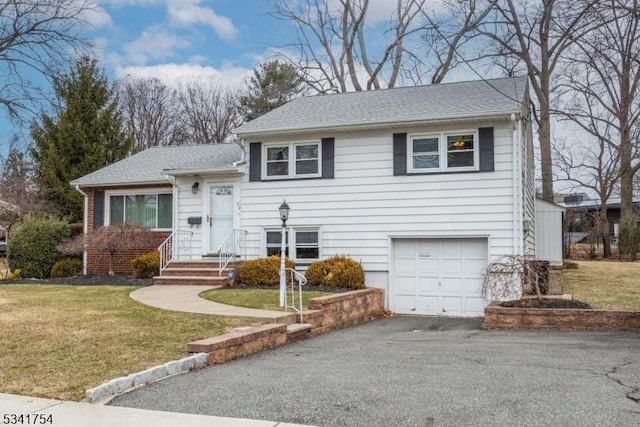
column 173, row 39
column 216, row 40
column 219, row 40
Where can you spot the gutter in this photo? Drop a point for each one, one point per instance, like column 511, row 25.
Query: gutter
column 504, row 115
column 85, row 229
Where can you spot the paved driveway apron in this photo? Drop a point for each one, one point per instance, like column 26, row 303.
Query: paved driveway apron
column 420, row 372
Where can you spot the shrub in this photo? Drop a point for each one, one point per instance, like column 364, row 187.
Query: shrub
column 67, row 267
column 263, row 271
column 339, row 271
column 32, row 247
column 147, row 265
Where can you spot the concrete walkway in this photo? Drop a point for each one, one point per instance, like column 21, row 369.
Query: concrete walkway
column 185, row 298
column 73, row 414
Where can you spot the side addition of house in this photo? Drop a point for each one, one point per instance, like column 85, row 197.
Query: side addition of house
column 423, row 185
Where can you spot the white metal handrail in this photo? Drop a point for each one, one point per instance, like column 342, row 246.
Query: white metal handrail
column 231, row 248
column 294, row 277
column 178, row 243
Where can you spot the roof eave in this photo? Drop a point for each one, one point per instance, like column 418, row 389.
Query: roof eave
column 188, row 172
column 119, row 184
column 501, row 115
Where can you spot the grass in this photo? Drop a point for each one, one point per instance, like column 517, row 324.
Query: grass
column 58, row 341
column 265, row 299
column 612, row 285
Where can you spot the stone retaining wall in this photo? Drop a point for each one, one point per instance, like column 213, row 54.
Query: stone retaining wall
column 496, row 317
column 343, row 310
column 325, row 314
column 241, row 342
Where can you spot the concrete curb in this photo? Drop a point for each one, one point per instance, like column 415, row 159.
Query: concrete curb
column 107, row 391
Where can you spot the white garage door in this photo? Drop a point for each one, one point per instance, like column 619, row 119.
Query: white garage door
column 438, row 276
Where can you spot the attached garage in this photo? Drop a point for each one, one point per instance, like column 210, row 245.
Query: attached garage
column 438, row 276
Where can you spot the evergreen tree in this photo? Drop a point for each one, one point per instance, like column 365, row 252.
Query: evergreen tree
column 272, row 85
column 85, row 133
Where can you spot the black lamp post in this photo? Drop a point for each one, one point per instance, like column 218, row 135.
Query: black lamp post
column 284, row 215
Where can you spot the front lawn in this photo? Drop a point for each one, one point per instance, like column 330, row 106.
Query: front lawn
column 264, row 299
column 605, row 284
column 58, row 341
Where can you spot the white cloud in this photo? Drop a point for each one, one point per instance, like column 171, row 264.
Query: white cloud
column 189, row 12
column 153, row 43
column 95, row 16
column 172, row 74
column 118, row 3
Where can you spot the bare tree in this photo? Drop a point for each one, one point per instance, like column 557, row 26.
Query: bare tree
column 18, row 193
column 451, row 37
column 333, row 43
column 36, row 35
column 594, row 165
column 606, row 80
column 210, row 112
column 152, row 113
column 537, row 36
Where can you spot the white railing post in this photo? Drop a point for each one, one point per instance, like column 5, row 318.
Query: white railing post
column 170, row 250
column 302, row 280
column 230, row 247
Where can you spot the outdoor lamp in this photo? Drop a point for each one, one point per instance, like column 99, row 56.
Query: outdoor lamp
column 194, row 187
column 284, row 213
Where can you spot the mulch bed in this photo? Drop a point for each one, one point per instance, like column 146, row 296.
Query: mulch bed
column 304, row 288
column 545, row 303
column 83, row 281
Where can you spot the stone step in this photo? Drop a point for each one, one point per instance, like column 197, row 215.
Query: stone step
column 193, row 271
column 194, row 264
column 190, row 280
column 298, row 331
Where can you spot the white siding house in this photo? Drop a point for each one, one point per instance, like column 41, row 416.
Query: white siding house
column 423, row 222
column 423, row 185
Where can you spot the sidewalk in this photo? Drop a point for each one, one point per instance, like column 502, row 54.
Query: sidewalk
column 73, row 414
column 185, row 298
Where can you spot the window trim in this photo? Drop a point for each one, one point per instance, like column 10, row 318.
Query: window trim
column 292, row 243
column 443, row 152
column 136, row 192
column 291, row 162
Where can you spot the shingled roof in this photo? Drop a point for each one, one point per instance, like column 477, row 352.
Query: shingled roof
column 153, row 164
column 416, row 104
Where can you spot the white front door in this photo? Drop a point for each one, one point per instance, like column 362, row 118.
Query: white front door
column 439, row 276
column 220, row 216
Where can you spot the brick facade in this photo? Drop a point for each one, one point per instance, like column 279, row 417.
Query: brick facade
column 98, row 262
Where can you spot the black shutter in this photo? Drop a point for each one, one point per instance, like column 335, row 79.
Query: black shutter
column 98, row 209
column 255, row 161
column 485, row 135
column 399, row 153
column 328, row 153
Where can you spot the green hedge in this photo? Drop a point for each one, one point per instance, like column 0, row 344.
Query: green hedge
column 32, row 246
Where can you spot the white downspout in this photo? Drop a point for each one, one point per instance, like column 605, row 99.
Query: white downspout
column 85, row 229
column 243, row 153
column 514, row 184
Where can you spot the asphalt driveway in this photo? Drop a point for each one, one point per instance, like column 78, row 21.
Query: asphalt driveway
column 419, row 372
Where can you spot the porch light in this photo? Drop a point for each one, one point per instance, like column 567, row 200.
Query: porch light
column 284, row 213
column 194, row 187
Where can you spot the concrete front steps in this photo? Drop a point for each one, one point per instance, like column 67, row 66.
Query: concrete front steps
column 205, row 273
